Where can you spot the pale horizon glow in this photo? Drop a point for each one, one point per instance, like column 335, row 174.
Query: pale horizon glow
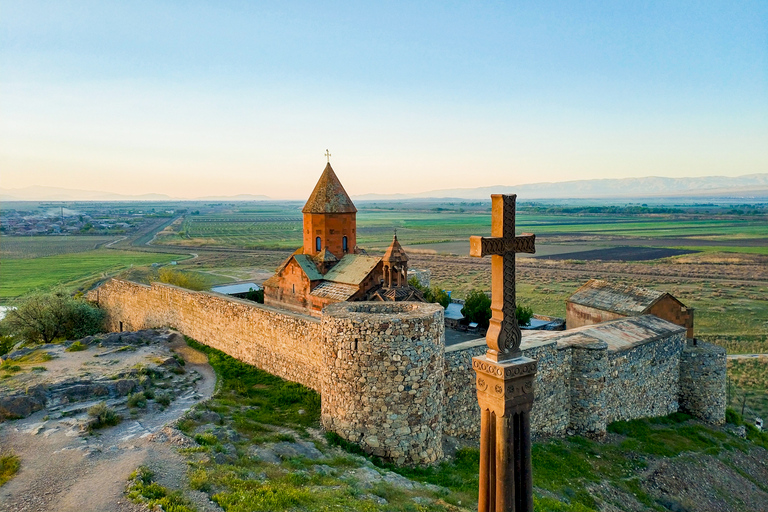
column 196, row 99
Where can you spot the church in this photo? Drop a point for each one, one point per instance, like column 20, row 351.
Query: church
column 330, row 267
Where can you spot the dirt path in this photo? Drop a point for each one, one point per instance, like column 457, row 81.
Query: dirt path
column 63, row 471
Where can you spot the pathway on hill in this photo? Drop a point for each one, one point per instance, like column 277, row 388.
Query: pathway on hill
column 64, row 471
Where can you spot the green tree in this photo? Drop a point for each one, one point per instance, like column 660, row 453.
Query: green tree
column 45, row 317
column 477, row 308
column 523, row 315
column 255, row 295
column 433, row 294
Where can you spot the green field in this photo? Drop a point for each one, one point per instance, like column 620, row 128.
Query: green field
column 23, row 247
column 19, row 276
column 279, row 227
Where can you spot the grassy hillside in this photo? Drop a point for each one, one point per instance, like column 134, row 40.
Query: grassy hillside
column 671, row 463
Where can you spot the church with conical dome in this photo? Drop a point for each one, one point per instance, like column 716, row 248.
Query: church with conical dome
column 329, row 267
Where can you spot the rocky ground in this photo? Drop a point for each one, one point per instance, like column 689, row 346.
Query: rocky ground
column 149, row 378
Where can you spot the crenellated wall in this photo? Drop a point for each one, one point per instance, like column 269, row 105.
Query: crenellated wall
column 389, row 383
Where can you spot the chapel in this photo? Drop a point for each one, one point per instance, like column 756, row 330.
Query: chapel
column 330, row 267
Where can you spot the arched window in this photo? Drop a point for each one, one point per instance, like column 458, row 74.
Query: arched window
column 318, row 244
column 344, row 244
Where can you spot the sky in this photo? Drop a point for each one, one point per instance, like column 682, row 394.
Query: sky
column 221, row 97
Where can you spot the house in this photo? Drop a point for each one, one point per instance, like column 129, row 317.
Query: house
column 600, row 301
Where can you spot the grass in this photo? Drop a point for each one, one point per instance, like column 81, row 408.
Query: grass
column 9, row 466
column 260, row 408
column 19, row 276
column 103, row 416
column 76, row 347
column 143, row 489
column 27, row 247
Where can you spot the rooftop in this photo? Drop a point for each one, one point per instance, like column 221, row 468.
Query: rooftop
column 329, row 195
column 231, row 289
column 352, row 269
column 618, row 298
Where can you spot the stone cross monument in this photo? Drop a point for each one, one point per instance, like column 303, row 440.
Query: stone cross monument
column 504, row 376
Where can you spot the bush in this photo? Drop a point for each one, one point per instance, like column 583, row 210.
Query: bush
column 477, row 308
column 137, row 400
column 255, row 295
column 9, row 466
column 433, row 294
column 76, row 347
column 188, row 280
column 163, row 399
column 103, row 415
column 45, row 317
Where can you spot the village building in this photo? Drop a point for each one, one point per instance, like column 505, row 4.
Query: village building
column 599, row 301
column 329, row 267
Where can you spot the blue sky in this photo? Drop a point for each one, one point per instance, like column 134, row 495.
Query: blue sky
column 199, row 98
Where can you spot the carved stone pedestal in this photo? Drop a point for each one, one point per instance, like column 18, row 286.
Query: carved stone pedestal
column 505, row 394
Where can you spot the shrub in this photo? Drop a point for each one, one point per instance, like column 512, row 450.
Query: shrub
column 477, row 308
column 9, row 466
column 76, row 347
column 524, row 315
column 137, row 400
column 163, row 399
column 45, row 317
column 103, row 415
column 255, row 295
column 189, row 280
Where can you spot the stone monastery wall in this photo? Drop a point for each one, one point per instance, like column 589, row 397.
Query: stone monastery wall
column 280, row 342
column 388, row 382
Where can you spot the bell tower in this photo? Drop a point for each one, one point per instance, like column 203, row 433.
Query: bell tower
column 329, row 218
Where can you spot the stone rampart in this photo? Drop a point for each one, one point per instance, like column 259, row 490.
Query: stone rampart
column 282, row 343
column 703, row 382
column 384, row 380
column 388, row 382
column 587, row 377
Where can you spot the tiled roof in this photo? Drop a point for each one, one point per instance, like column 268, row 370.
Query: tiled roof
column 308, row 266
column 325, row 256
column 329, row 196
column 395, row 252
column 618, row 298
column 336, row 291
column 398, row 293
column 352, row 269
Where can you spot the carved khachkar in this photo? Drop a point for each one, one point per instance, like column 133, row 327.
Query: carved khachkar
column 504, row 376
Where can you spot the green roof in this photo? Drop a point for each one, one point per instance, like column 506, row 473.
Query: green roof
column 308, row 266
column 352, row 269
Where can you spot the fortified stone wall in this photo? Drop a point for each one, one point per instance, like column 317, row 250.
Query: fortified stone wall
column 279, row 342
column 388, row 382
column 703, row 382
column 644, row 379
column 591, row 376
column 384, row 380
column 550, row 412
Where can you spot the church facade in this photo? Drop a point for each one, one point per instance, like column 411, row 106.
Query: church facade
column 329, row 267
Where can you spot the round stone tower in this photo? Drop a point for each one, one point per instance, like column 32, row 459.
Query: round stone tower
column 383, row 382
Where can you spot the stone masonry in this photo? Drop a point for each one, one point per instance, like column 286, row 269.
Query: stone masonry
column 384, row 368
column 399, row 388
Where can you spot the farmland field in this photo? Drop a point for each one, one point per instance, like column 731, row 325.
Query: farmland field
column 278, row 226
column 23, row 247
column 19, row 276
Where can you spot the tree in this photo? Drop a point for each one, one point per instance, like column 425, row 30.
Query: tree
column 477, row 308
column 255, row 295
column 45, row 317
column 433, row 294
column 523, row 315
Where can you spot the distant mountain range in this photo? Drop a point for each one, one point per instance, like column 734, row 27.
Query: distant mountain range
column 68, row 194
column 747, row 186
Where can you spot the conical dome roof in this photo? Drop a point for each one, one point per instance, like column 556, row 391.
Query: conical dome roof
column 395, row 252
column 329, row 195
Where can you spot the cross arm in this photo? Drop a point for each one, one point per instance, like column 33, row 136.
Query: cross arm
column 480, row 246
